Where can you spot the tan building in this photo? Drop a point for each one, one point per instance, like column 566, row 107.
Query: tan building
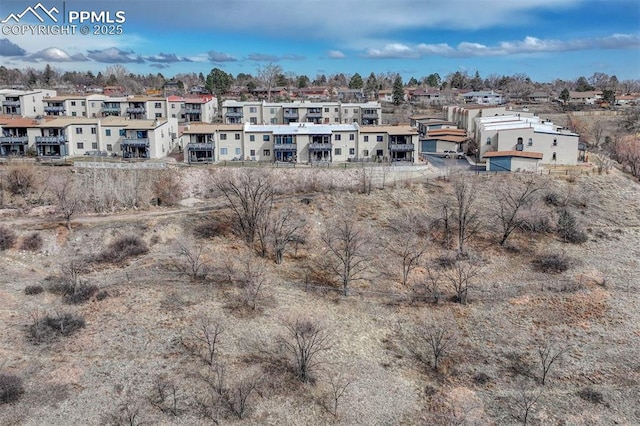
column 24, row 103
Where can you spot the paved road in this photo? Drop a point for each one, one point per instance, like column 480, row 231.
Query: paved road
column 451, row 163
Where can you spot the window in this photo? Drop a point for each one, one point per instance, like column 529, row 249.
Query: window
column 158, row 105
column 78, row 130
column 122, row 132
column 488, row 141
column 530, row 142
column 83, row 103
column 223, row 151
column 352, row 137
column 335, row 110
column 73, row 103
column 80, row 145
column 274, row 120
column 266, row 153
column 346, row 111
column 93, row 130
column 173, row 106
column 366, row 138
column 93, row 104
column 252, row 152
column 237, row 136
column 520, row 145
column 109, row 147
column 265, row 138
column 238, row 151
column 338, row 137
column 272, row 111
column 252, row 138
column 252, row 110
column 379, row 152
column 158, row 115
column 555, row 142
column 337, row 151
column 253, row 120
column 223, row 136
column 365, row 153
column 379, row 138
column 553, row 157
column 336, row 120
column 73, row 113
column 94, row 145
column 107, row 132
column 173, row 116
column 352, row 151
column 326, row 110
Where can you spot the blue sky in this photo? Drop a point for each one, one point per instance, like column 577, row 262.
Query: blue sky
column 545, row 39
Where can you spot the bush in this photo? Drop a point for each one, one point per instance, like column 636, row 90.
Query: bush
column 121, row 249
column 552, row 263
column 212, row 227
column 81, row 293
column 32, row 242
column 552, row 199
column 48, row 328
column 31, row 290
column 591, row 395
column 11, row 388
column 102, row 295
column 568, row 228
column 20, row 180
column 167, row 188
column 8, row 238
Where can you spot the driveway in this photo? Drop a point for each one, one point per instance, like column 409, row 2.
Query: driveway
column 461, row 164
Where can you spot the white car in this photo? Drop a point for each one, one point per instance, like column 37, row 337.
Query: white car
column 453, row 154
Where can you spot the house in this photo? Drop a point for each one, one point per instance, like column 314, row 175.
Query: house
column 388, row 143
column 483, row 97
column 540, row 97
column 350, row 95
column 512, row 161
column 585, row 98
column 385, row 95
column 444, row 139
column 464, row 116
column 15, row 134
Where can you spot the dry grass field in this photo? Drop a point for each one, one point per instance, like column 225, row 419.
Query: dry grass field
column 140, row 359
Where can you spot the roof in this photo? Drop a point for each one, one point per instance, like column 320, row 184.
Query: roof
column 392, row 130
column 301, row 128
column 206, row 128
column 9, row 121
column 520, row 154
column 446, row 138
column 457, row 132
column 131, row 124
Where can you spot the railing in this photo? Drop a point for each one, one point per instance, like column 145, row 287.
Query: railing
column 111, row 109
column 51, row 140
column 234, row 114
column 56, row 108
column 14, row 140
column 370, row 115
column 285, row 147
column 199, row 146
column 189, row 110
column 315, row 146
column 291, row 114
column 314, row 114
column 395, row 147
column 11, row 103
column 140, row 142
column 136, row 110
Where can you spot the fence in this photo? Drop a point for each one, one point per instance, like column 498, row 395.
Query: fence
column 110, row 165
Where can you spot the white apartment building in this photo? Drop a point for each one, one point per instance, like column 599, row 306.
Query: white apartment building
column 24, row 103
column 299, row 142
column 235, row 112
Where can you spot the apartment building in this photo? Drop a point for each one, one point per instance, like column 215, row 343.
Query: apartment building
column 303, row 142
column 24, row 103
column 235, row 112
column 513, row 136
column 72, row 136
column 464, row 116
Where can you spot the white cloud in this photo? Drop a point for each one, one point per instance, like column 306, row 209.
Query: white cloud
column 113, row 55
column 335, row 54
column 392, row 50
column 54, row 54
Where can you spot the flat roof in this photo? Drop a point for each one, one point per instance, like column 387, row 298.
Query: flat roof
column 206, row 128
column 446, row 138
column 520, row 154
column 300, row 128
column 392, row 130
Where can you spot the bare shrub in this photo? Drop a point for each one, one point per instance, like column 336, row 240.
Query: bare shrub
column 82, row 293
column 429, row 287
column 305, row 340
column 591, row 395
column 167, row 187
column 194, row 261
column 465, row 211
column 431, row 341
column 513, row 197
column 71, row 285
column 32, row 242
column 31, row 290
column 167, row 397
column 20, row 180
column 549, row 353
column 552, row 263
column 47, row 328
column 523, row 402
column 8, row 238
column 252, row 278
column 121, row 249
column 67, row 196
column 205, row 340
column 11, row 388
column 462, row 278
column 224, row 399
column 338, row 388
column 285, row 229
column 213, row 227
column 128, row 414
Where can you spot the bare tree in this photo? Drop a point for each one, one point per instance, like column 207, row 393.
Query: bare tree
column 549, row 353
column 305, row 340
column 524, row 401
column 339, row 386
column 224, row 399
column 268, row 76
column 250, row 195
column 513, row 196
column 195, row 262
column 67, row 197
column 285, row 229
column 128, row 414
column 432, row 341
column 465, row 210
column 167, row 397
column 409, row 250
column 253, row 277
column 347, row 245
column 461, row 277
column 430, row 285
column 205, row 340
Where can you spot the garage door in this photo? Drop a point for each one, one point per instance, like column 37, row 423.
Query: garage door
column 428, row 146
column 500, row 164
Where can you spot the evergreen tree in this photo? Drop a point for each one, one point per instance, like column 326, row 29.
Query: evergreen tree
column 356, row 82
column 398, row 90
column 218, row 82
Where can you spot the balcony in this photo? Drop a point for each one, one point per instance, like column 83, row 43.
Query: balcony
column 401, row 147
column 11, row 103
column 54, row 108
column 291, row 114
column 192, row 110
column 14, row 140
column 199, row 147
column 234, row 114
column 315, row 146
column 136, row 110
column 135, row 142
column 111, row 109
column 370, row 115
column 51, row 140
column 285, row 147
column 314, row 114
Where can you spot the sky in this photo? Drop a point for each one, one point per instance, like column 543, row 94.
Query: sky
column 544, row 39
